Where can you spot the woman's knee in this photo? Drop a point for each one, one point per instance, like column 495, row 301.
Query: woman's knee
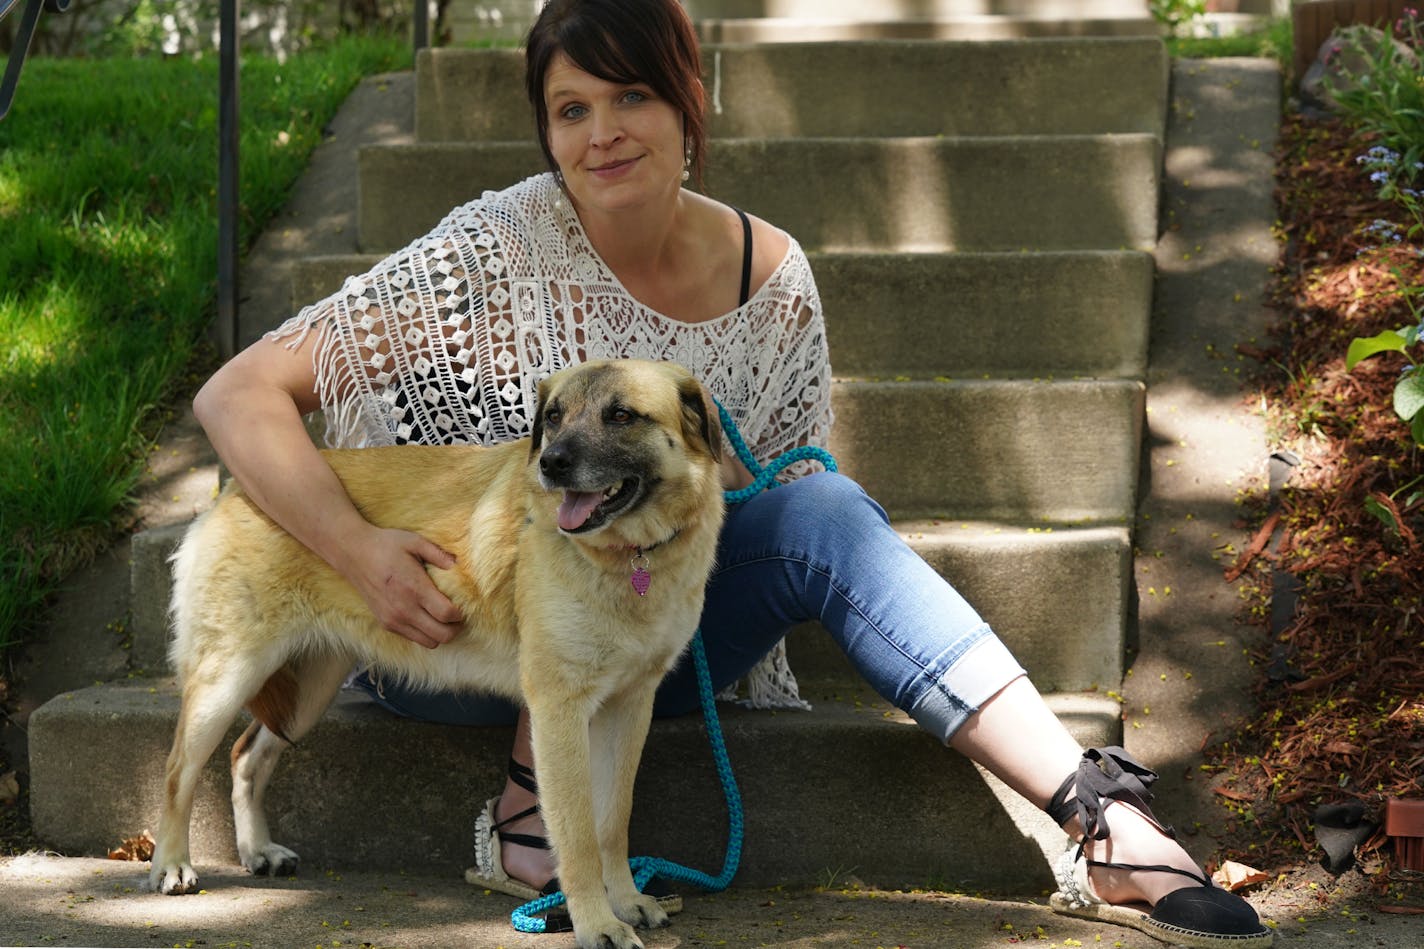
column 829, row 505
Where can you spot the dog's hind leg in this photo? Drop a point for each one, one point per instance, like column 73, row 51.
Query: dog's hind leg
column 290, row 703
column 211, row 699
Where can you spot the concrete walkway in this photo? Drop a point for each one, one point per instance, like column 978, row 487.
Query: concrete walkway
column 1205, row 446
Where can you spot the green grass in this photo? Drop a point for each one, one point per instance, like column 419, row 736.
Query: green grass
column 108, row 248
column 1274, row 41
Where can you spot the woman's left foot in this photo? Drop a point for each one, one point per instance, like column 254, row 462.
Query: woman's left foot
column 1137, row 842
column 1130, row 870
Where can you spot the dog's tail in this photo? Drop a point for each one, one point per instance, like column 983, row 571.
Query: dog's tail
column 182, row 601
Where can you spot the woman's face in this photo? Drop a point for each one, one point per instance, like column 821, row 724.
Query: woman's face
column 618, row 146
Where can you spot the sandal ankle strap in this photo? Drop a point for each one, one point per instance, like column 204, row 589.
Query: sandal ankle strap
column 1155, row 867
column 1104, row 775
column 522, row 775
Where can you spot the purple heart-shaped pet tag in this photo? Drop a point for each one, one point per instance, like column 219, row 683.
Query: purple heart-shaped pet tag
column 641, row 580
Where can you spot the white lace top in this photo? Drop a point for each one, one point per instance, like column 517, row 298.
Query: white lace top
column 445, row 342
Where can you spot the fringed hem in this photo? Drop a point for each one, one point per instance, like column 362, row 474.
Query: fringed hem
column 770, row 684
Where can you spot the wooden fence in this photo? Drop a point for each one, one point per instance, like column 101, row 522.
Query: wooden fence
column 1315, row 20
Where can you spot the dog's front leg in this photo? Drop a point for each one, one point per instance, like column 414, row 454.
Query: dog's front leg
column 618, row 732
column 560, row 733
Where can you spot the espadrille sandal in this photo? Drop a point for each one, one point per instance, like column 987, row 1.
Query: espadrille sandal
column 1197, row 916
column 488, row 871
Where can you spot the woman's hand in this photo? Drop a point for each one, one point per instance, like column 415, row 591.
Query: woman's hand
column 251, row 409
column 388, row 569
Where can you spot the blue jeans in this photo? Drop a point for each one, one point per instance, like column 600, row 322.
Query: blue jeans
column 815, row 549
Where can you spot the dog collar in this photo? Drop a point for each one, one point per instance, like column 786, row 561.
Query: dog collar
column 641, row 578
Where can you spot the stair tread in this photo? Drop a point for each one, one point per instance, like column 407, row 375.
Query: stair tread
column 428, row 781
column 781, row 89
column 1017, row 193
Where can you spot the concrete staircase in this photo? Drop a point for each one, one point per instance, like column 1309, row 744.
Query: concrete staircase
column 979, row 216
column 776, row 21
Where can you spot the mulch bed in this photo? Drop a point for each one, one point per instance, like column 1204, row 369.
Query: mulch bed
column 1341, row 687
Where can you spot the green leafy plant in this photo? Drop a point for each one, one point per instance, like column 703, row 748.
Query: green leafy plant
column 1385, row 99
column 1378, row 86
column 1409, row 390
column 1387, row 509
column 1174, row 13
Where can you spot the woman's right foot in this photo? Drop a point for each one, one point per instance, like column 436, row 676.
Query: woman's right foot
column 525, row 863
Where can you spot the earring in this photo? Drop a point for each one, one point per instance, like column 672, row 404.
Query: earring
column 686, row 161
column 559, row 196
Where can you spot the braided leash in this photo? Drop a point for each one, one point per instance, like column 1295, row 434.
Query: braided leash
column 528, row 918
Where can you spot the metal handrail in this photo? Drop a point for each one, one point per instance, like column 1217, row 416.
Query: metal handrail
column 228, row 184
column 227, row 330
column 28, row 21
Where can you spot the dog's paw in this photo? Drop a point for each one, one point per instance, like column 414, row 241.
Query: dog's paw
column 174, row 879
column 271, row 860
column 611, row 935
column 642, row 912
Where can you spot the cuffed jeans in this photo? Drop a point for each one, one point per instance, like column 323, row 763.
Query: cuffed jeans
column 815, row 549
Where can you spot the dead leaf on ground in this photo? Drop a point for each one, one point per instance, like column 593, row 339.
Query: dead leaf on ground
column 138, row 848
column 1237, row 876
column 1232, row 795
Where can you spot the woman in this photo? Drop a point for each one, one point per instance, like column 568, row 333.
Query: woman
column 609, row 255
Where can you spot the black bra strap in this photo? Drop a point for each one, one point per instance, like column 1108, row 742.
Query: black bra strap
column 746, row 258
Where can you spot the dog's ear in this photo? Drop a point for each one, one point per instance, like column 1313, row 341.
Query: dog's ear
column 700, row 419
column 536, row 434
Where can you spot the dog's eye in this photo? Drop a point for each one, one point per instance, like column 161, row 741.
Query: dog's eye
column 553, row 417
column 620, row 416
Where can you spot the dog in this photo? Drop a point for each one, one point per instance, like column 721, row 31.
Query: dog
column 582, row 553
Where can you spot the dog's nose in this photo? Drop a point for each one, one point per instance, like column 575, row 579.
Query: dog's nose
column 556, row 460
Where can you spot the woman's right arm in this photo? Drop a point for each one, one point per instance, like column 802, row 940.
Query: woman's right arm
column 252, row 411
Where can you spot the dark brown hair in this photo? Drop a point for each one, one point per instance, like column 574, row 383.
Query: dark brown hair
column 623, row 41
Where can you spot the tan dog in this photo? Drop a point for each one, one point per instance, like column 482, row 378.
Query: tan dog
column 619, row 478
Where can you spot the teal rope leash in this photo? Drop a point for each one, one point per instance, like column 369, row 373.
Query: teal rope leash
column 529, row 917
column 764, row 479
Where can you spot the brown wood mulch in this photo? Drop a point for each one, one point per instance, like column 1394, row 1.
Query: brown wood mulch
column 1341, row 687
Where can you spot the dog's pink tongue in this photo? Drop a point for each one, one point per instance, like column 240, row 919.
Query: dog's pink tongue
column 577, row 506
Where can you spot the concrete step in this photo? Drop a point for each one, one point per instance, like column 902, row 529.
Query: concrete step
column 1015, row 450
column 970, row 27
column 906, row 194
column 902, row 88
column 773, row 21
column 965, row 315
column 368, row 789
column 508, row 21
column 1057, row 595
column 876, row 9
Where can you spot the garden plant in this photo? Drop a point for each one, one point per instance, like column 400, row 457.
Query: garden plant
column 1341, row 686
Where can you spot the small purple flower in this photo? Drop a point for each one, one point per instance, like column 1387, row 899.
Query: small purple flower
column 1384, row 230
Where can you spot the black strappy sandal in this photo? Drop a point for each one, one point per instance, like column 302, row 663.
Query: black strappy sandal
column 1204, row 915
column 488, row 871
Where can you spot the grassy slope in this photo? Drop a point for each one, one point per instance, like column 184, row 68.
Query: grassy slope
column 108, row 236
